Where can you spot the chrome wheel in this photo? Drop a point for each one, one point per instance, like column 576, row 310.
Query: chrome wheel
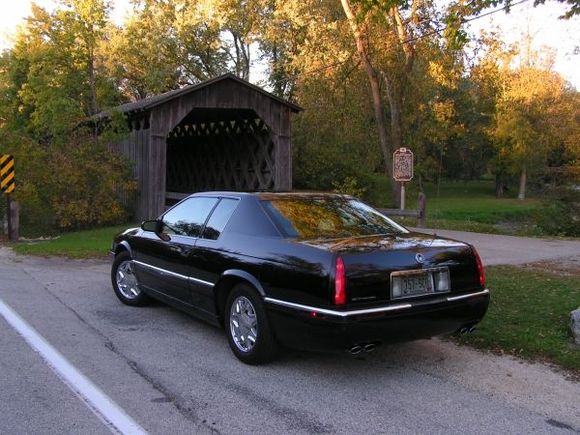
column 243, row 324
column 127, row 281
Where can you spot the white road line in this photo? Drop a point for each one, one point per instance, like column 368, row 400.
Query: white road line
column 111, row 414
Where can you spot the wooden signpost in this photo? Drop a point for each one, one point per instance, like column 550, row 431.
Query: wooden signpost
column 8, row 185
column 403, row 169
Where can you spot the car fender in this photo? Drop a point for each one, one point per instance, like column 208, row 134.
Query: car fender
column 245, row 276
column 123, row 244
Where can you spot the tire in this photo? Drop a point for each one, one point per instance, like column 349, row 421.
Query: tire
column 249, row 333
column 125, row 282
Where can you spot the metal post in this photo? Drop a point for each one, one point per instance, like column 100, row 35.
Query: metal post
column 13, row 219
column 402, row 195
column 422, row 210
column 8, row 220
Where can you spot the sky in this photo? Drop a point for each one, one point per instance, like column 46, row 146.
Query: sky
column 542, row 22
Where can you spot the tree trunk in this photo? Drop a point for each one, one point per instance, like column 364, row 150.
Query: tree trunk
column 394, row 96
column 523, row 179
column 379, row 110
column 92, row 85
column 499, row 186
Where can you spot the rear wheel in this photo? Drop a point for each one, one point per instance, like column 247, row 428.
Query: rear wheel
column 249, row 333
column 125, row 282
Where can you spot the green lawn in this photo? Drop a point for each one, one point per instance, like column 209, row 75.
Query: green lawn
column 476, row 201
column 473, row 206
column 529, row 315
column 80, row 244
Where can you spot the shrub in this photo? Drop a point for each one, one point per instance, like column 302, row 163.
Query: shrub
column 562, row 213
column 70, row 184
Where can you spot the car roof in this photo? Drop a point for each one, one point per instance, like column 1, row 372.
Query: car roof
column 274, row 195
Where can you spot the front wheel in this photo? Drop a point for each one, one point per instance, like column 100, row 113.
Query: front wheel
column 125, row 282
column 249, row 333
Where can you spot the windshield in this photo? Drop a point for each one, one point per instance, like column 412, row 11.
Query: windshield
column 327, row 217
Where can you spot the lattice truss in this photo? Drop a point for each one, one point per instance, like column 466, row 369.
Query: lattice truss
column 224, row 155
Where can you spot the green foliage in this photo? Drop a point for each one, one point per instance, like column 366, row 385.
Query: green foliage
column 51, row 82
column 334, row 138
column 561, row 215
column 349, row 186
column 70, row 185
column 462, row 117
column 529, row 315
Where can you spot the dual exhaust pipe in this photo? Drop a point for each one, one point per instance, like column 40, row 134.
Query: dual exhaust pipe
column 359, row 348
column 370, row 347
column 466, row 330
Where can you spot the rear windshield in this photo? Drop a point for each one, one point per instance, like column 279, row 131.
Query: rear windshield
column 327, row 217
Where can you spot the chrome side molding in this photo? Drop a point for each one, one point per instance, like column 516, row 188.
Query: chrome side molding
column 387, row 308
column 173, row 274
column 469, row 295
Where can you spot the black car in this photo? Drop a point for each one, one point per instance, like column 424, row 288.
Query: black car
column 312, row 271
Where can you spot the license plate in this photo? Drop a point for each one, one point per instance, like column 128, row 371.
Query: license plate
column 411, row 284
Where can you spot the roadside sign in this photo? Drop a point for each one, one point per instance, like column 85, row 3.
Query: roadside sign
column 7, row 182
column 403, row 164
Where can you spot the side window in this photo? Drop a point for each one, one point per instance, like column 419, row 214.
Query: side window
column 219, row 218
column 187, row 218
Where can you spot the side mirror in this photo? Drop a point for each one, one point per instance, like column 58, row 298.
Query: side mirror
column 155, row 226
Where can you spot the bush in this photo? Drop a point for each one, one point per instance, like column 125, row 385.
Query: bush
column 349, row 186
column 70, row 184
column 562, row 213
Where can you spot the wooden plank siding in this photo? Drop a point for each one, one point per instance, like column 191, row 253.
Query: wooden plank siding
column 147, row 143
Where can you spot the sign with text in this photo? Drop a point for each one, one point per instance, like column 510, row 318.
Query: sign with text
column 7, row 182
column 403, row 164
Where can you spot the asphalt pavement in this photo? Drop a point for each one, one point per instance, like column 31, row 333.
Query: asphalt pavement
column 173, row 374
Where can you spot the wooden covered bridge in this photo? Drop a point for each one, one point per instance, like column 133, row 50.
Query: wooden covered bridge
column 221, row 134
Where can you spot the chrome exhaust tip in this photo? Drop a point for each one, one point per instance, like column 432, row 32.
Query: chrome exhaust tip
column 356, row 349
column 370, row 347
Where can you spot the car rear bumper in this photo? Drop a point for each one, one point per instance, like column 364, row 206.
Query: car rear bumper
column 314, row 328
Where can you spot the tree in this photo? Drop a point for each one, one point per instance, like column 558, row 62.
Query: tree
column 528, row 120
column 52, row 82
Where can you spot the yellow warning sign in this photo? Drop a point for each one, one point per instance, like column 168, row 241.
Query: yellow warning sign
column 7, row 181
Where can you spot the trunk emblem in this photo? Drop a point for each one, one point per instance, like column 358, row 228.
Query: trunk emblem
column 420, row 259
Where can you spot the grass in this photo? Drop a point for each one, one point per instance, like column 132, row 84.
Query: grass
column 476, row 201
column 78, row 244
column 529, row 315
column 473, row 206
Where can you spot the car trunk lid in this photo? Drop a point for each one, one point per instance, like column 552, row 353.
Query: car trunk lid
column 369, row 262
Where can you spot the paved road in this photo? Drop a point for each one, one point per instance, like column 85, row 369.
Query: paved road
column 495, row 249
column 173, row 374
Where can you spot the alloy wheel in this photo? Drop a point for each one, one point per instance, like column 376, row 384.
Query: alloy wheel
column 127, row 281
column 243, row 324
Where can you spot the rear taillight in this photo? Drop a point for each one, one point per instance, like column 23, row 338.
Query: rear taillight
column 480, row 270
column 339, row 283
